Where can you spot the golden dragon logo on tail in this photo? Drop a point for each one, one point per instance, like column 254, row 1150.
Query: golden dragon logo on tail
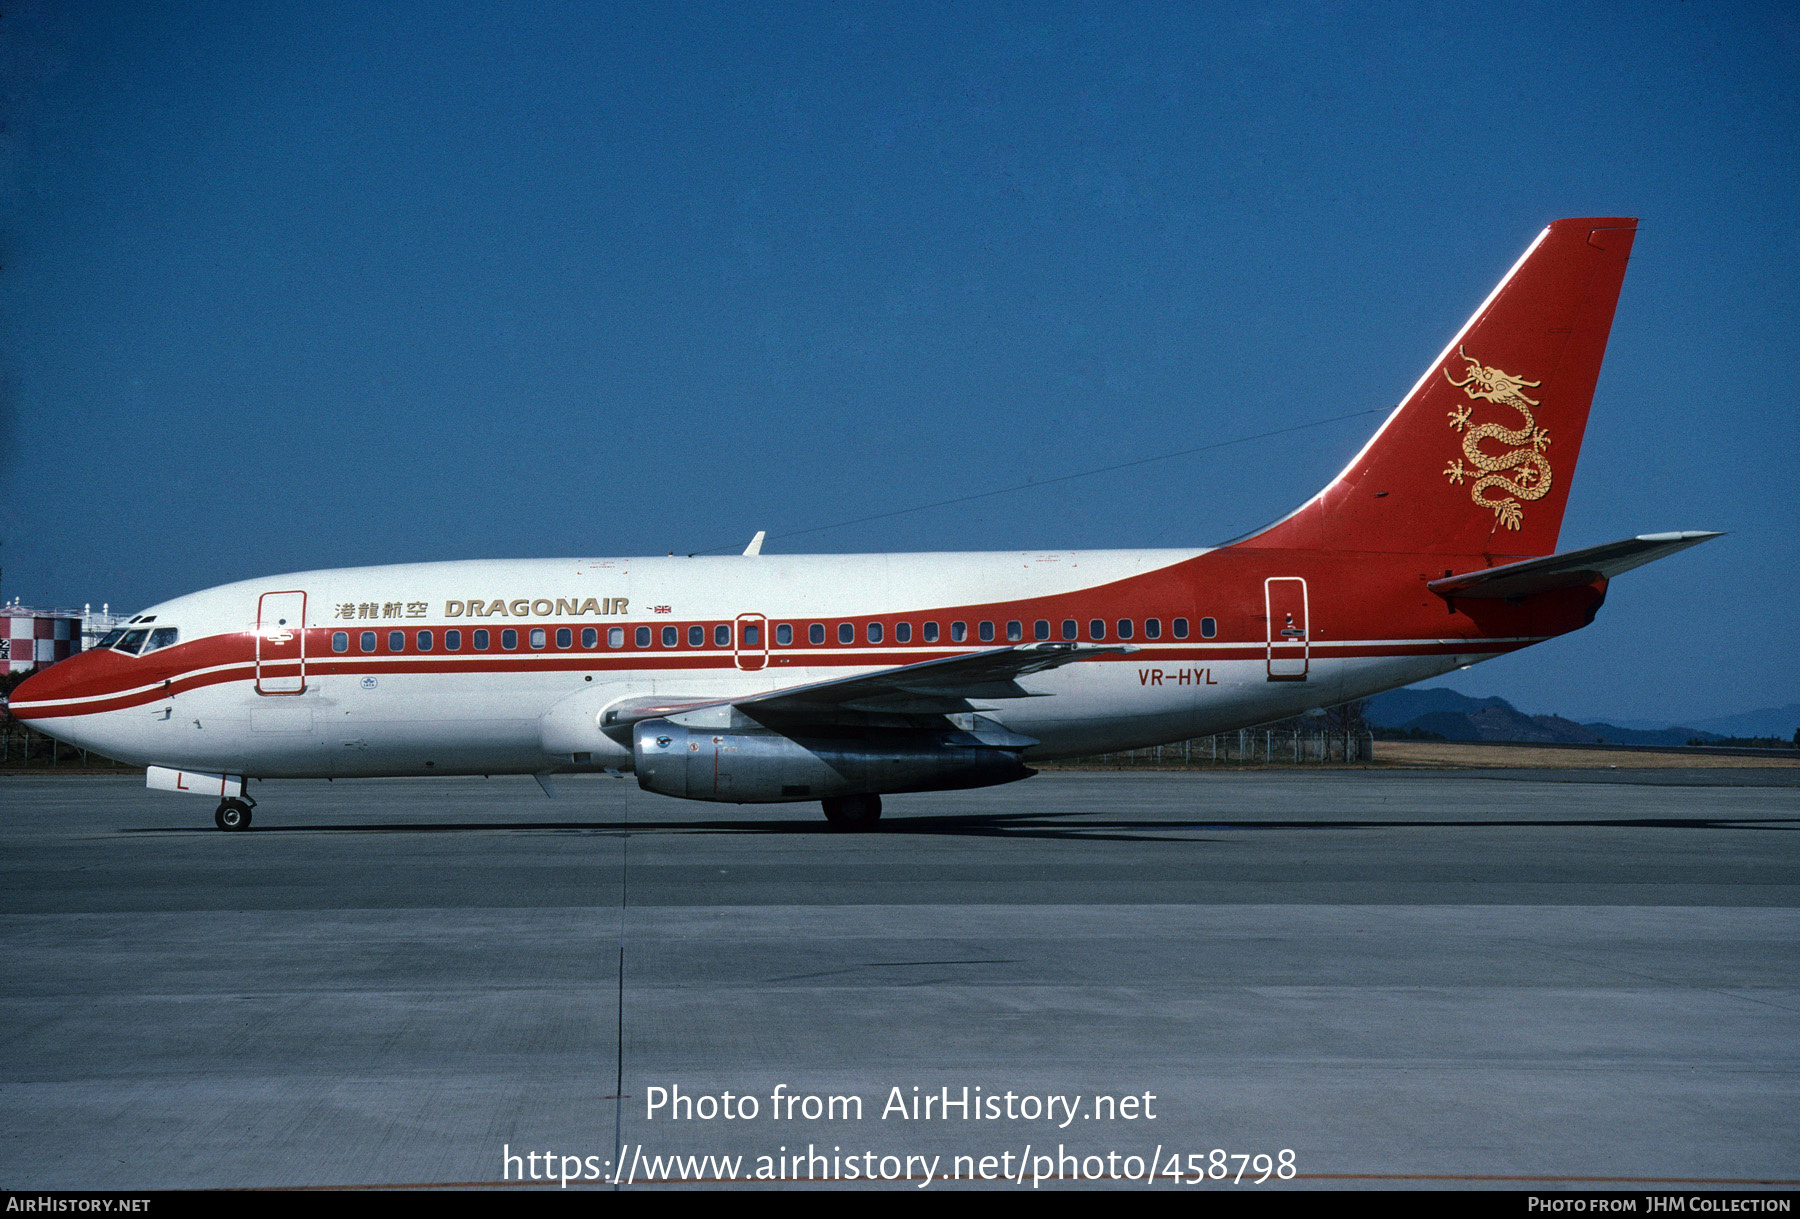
column 1529, row 476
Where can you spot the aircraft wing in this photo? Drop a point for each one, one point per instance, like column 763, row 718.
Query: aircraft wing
column 932, row 687
column 1568, row 570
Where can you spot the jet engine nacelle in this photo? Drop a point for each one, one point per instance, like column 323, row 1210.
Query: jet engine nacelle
column 757, row 766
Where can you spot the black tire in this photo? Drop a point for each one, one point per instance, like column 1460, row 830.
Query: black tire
column 232, row 816
column 853, row 812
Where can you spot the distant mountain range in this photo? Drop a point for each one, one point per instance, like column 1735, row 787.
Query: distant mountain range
column 1457, row 717
column 1770, row 721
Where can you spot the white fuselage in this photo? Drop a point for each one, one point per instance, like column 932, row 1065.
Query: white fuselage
column 535, row 707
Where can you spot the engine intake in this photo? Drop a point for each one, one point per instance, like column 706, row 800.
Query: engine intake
column 759, row 766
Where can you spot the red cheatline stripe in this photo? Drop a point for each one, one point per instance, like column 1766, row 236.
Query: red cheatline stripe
column 622, row 662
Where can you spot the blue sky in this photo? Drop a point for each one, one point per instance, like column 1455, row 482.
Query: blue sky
column 291, row 286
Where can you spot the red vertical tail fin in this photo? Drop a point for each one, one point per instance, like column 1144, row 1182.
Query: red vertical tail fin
column 1478, row 458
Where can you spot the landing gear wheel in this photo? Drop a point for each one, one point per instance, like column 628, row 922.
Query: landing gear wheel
column 232, row 815
column 853, row 812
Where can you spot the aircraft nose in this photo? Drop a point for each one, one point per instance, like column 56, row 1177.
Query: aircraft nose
column 37, row 685
column 47, row 684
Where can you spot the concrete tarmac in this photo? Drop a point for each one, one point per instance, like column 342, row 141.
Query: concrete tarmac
column 1580, row 979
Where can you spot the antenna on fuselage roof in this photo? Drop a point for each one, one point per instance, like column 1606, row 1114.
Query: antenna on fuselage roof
column 755, row 546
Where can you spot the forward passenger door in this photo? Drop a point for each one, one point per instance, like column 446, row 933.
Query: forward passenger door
column 281, row 643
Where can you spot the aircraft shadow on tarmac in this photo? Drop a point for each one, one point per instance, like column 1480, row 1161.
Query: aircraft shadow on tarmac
column 1091, row 827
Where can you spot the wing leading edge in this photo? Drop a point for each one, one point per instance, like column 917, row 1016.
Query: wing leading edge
column 947, row 686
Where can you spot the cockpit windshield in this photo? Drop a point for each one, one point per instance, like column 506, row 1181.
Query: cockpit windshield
column 110, row 638
column 131, row 643
column 162, row 637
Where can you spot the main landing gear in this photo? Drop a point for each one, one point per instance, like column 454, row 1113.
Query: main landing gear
column 233, row 814
column 851, row 812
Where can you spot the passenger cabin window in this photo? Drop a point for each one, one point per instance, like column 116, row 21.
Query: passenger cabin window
column 696, row 637
column 509, row 639
column 132, row 642
column 642, row 636
column 479, row 640
column 565, row 638
column 340, row 641
column 902, row 632
column 986, row 631
column 538, row 636
column 752, row 635
column 959, row 631
column 161, row 637
column 425, row 641
column 815, row 634
column 784, row 634
column 1070, row 628
column 931, row 632
column 590, row 637
column 721, row 636
column 1040, row 629
column 874, row 632
column 396, row 641
column 1208, row 628
column 846, row 632
column 1124, row 628
column 1179, row 628
column 615, row 637
column 1153, row 628
column 452, row 641
column 367, row 642
column 670, row 637
column 1015, row 630
column 1097, row 629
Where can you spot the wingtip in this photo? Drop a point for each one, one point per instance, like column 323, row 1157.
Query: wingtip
column 1682, row 535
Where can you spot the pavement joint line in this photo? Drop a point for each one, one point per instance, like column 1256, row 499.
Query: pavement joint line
column 619, row 996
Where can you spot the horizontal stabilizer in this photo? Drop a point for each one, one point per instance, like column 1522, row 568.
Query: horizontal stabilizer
column 1569, row 570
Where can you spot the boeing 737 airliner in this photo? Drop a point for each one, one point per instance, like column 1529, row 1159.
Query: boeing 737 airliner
column 760, row 678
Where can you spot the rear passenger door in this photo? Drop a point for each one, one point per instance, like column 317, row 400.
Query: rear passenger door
column 1289, row 640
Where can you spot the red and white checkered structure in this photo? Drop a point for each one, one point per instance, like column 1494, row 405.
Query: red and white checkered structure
column 32, row 639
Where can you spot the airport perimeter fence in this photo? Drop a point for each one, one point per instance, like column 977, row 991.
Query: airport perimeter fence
column 23, row 749
column 1247, row 747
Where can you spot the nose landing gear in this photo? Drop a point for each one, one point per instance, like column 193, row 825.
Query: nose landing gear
column 233, row 814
